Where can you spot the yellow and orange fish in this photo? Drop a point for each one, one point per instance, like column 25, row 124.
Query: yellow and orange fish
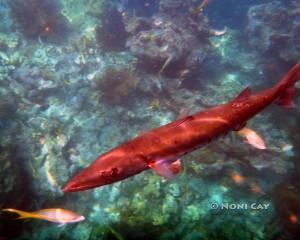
column 252, row 138
column 58, row 215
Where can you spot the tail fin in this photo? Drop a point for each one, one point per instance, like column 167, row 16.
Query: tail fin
column 22, row 214
column 287, row 83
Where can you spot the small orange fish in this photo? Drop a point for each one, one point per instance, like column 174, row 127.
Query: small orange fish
column 252, row 138
column 237, row 178
column 293, row 218
column 58, row 215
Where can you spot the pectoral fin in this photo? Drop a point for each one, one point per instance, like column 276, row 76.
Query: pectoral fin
column 61, row 225
column 166, row 169
column 243, row 95
column 184, row 112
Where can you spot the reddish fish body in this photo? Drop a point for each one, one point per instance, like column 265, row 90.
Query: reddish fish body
column 161, row 147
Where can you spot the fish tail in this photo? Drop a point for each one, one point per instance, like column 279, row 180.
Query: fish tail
column 287, row 84
column 22, row 214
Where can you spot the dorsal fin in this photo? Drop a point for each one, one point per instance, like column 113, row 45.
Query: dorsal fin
column 183, row 120
column 184, row 112
column 244, row 94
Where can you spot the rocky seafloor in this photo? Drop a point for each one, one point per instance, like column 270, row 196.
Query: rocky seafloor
column 79, row 77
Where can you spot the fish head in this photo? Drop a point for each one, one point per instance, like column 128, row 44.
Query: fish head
column 75, row 219
column 111, row 167
column 80, row 218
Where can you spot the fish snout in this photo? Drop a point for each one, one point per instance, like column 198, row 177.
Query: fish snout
column 81, row 181
column 70, row 187
column 91, row 177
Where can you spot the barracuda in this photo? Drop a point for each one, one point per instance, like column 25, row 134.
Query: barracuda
column 161, row 148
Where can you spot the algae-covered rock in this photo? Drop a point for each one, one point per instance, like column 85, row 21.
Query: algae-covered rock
column 40, row 19
column 111, row 33
column 117, row 85
column 267, row 29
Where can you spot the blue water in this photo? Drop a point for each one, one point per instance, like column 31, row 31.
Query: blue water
column 78, row 78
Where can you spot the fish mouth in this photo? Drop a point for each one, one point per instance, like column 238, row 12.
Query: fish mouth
column 70, row 188
column 76, row 184
column 82, row 181
column 88, row 178
column 74, row 187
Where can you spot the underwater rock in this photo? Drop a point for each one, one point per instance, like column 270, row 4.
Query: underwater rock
column 10, row 172
column 228, row 47
column 174, row 7
column 191, row 213
column 297, row 37
column 116, row 85
column 136, row 24
column 286, row 199
column 156, row 48
column 81, row 14
column 8, row 109
column 111, row 34
column 170, row 46
column 267, row 29
column 15, row 181
column 6, row 21
column 8, row 42
column 30, row 83
column 174, row 190
column 40, row 19
column 141, row 7
column 279, row 164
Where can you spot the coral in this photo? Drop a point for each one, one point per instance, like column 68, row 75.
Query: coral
column 40, row 19
column 111, row 34
column 116, row 85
